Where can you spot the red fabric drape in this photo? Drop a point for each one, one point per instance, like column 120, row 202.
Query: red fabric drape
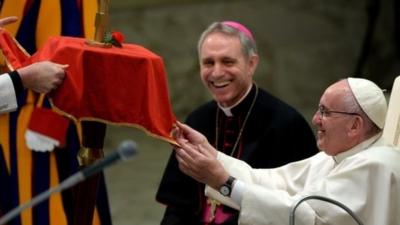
column 125, row 86
column 15, row 55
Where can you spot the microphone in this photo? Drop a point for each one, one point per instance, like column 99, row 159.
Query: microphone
column 126, row 150
column 326, row 199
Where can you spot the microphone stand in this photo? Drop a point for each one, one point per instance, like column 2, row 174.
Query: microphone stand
column 125, row 151
column 67, row 183
column 322, row 198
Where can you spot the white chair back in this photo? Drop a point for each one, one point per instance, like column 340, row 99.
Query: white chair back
column 391, row 131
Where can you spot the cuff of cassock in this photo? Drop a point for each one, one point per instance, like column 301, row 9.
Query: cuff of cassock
column 237, row 192
column 17, row 82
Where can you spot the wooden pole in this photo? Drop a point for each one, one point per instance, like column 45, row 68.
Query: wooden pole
column 85, row 193
column 93, row 134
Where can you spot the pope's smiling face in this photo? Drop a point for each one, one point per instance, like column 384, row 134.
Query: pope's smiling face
column 334, row 130
column 224, row 68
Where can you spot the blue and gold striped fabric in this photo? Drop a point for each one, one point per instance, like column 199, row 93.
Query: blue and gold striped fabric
column 25, row 173
column 40, row 19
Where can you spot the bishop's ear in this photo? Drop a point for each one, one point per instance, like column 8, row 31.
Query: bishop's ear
column 253, row 62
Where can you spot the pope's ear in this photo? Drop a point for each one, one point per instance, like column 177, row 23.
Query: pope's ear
column 357, row 125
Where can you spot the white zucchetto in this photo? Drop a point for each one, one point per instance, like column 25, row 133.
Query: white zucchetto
column 370, row 98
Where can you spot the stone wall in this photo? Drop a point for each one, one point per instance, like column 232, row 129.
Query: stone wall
column 304, row 45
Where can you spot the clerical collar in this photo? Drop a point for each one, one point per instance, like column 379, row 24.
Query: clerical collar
column 356, row 149
column 228, row 110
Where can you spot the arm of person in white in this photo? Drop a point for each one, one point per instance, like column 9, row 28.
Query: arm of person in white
column 262, row 194
column 243, row 174
column 236, row 197
column 8, row 91
column 365, row 183
column 41, row 77
column 8, row 98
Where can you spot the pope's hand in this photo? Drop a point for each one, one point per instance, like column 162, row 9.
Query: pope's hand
column 197, row 158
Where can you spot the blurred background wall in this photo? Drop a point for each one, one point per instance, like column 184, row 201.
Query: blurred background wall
column 304, row 46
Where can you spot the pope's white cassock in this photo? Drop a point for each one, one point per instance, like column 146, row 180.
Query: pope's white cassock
column 365, row 178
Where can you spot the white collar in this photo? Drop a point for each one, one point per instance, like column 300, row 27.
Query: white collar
column 228, row 110
column 356, row 149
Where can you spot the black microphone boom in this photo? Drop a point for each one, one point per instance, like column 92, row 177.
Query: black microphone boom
column 126, row 150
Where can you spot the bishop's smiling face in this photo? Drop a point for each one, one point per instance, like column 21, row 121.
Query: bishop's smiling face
column 224, row 68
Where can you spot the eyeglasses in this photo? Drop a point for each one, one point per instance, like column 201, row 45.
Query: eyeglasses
column 327, row 113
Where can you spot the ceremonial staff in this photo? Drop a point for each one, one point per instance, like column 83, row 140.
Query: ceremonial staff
column 101, row 25
column 93, row 134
